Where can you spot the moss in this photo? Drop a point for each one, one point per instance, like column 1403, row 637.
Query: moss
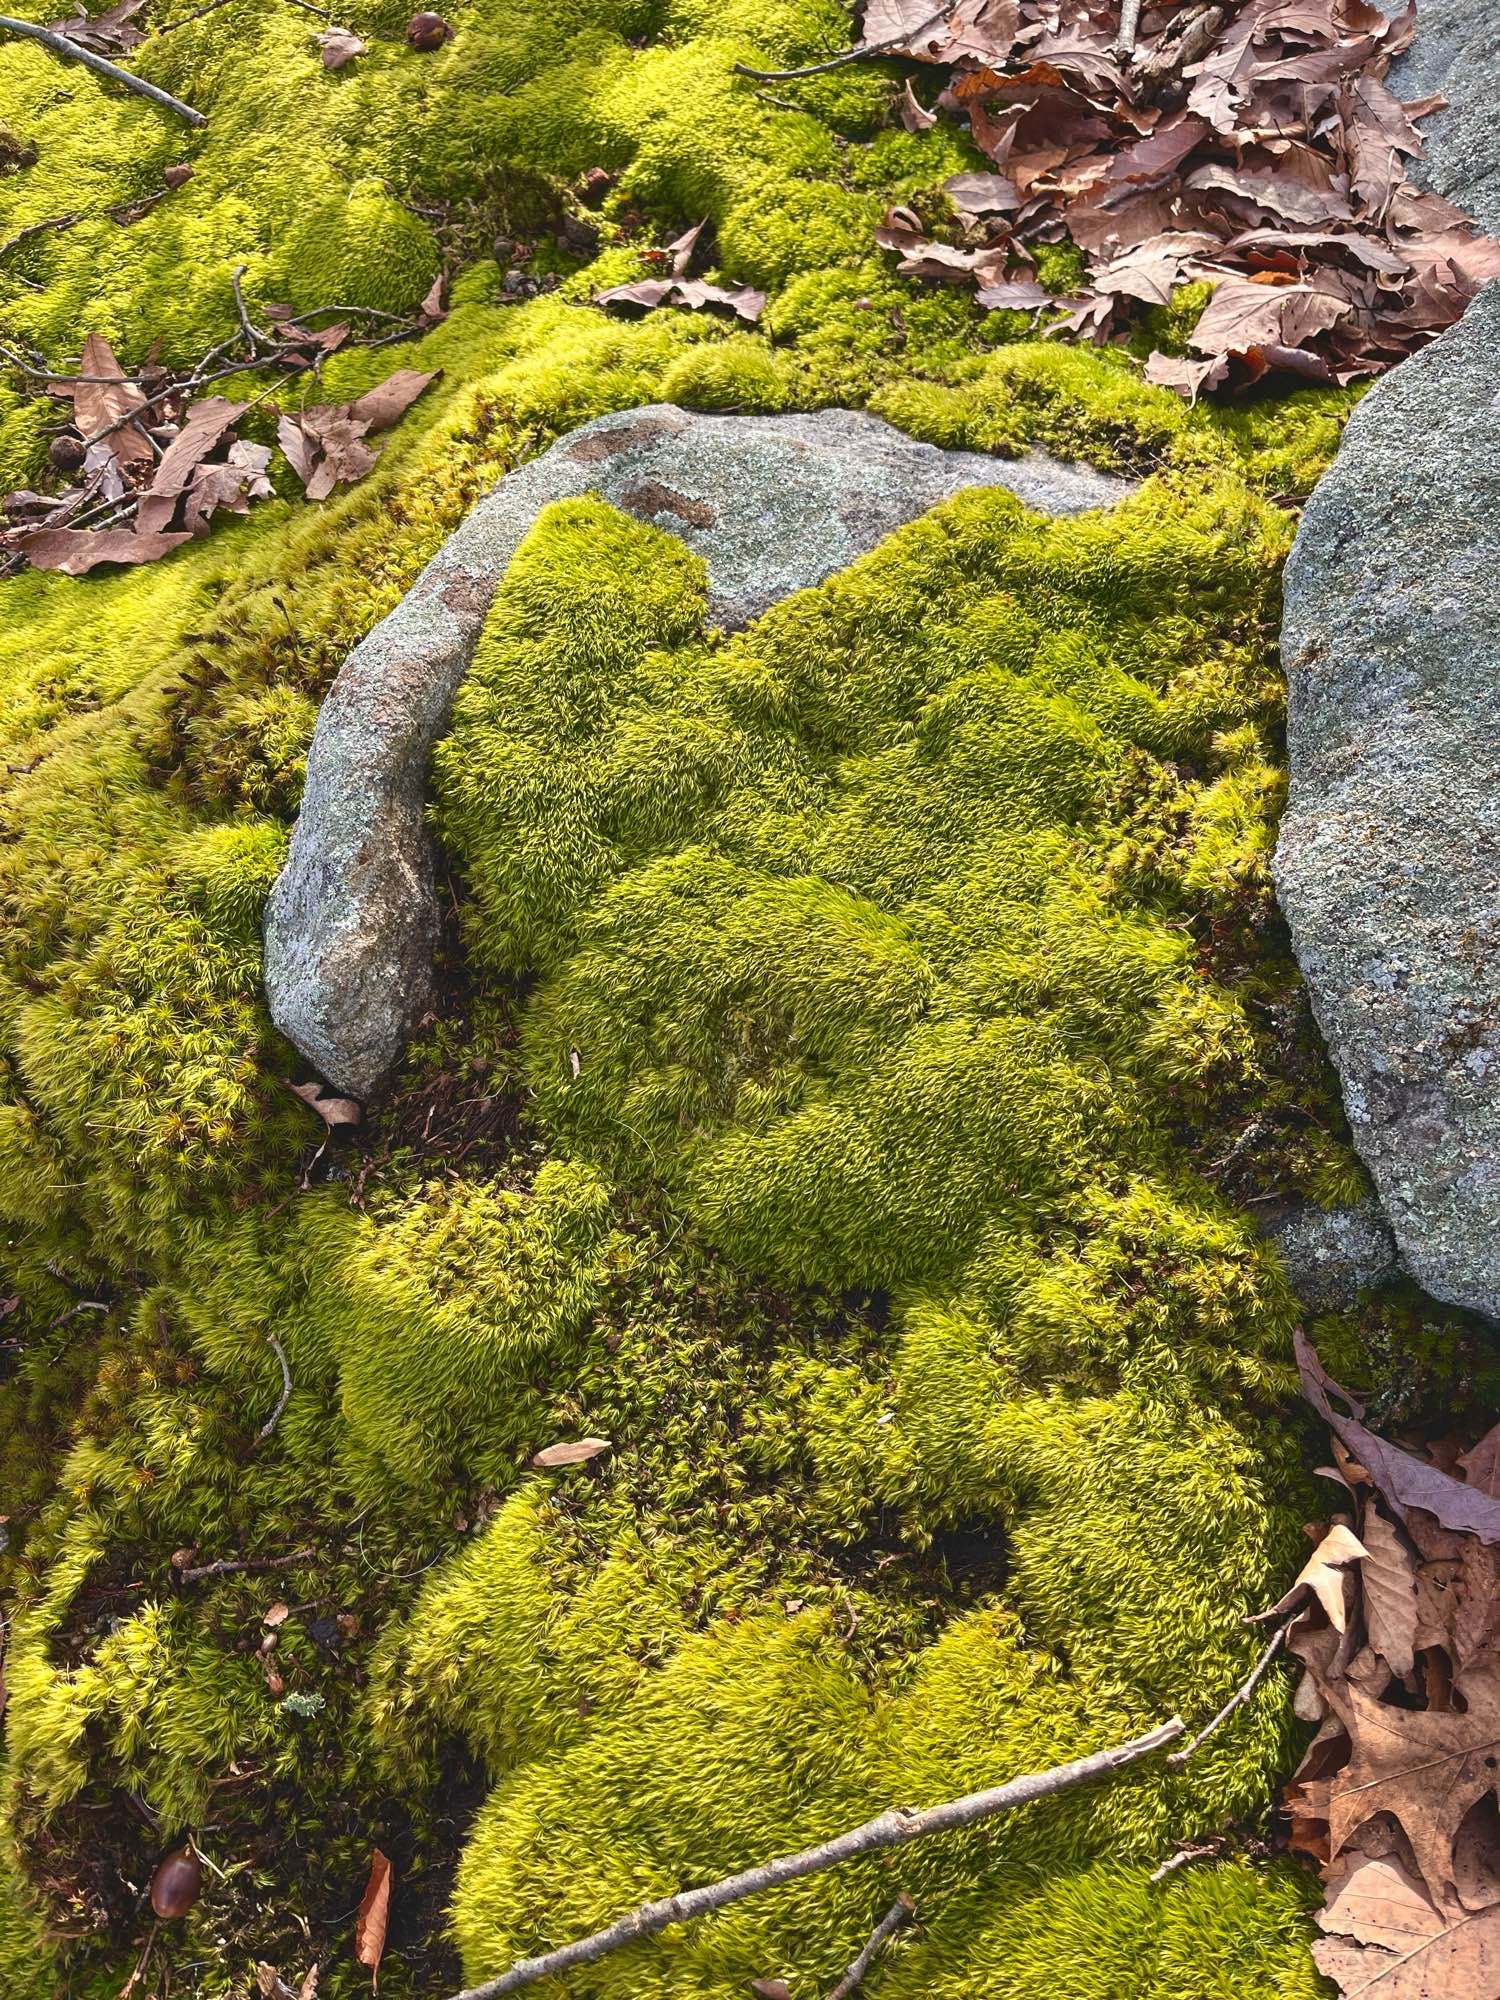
column 850, row 1023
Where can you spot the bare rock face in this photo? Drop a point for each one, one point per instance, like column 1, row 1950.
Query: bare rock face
column 772, row 504
column 1389, row 859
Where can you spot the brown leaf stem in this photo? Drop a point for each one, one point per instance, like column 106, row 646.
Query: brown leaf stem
column 101, row 66
column 889, row 1829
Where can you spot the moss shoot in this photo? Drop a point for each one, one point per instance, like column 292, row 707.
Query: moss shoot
column 866, row 1042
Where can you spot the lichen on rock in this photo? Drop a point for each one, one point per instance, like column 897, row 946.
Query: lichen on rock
column 935, row 1045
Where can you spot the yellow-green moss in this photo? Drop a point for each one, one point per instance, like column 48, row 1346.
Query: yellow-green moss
column 916, row 941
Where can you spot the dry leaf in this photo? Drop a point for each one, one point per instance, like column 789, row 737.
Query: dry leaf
column 1323, row 1576
column 771, row 1989
column 276, row 1614
column 1390, row 1590
column 374, row 1915
column 1404, row 1481
column 1386, row 1939
column 648, row 293
column 337, row 1113
column 102, row 397
column 340, row 46
column 579, row 1452
column 378, row 408
column 75, row 551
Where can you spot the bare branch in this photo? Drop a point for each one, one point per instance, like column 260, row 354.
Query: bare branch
column 102, row 66
column 1204, row 1850
column 900, row 1912
column 286, row 1390
column 230, row 1565
column 890, row 1829
column 862, row 53
column 1130, row 27
column 1241, row 1694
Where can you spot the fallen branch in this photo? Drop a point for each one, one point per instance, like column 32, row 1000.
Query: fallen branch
column 900, row 1912
column 230, row 1565
column 889, row 1829
column 1205, row 1850
column 1130, row 27
column 1241, row 1694
column 101, row 66
column 862, row 52
column 286, row 1390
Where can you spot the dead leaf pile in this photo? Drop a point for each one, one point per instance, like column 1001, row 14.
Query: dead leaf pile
column 1396, row 1624
column 1252, row 143
column 151, row 464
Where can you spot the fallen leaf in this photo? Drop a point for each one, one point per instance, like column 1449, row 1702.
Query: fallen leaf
column 109, row 34
column 103, row 397
column 388, row 401
column 75, row 551
column 374, row 1915
column 914, row 116
column 1405, row 1481
column 1390, row 1591
column 771, row 1989
column 337, row 1113
column 649, row 293
column 275, row 1615
column 340, row 46
column 579, row 1452
column 1322, row 1576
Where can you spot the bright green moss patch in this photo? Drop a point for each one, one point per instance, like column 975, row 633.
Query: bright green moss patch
column 867, row 1041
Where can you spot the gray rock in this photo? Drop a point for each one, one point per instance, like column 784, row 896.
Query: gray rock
column 772, row 504
column 1333, row 1255
column 1389, row 858
column 1456, row 55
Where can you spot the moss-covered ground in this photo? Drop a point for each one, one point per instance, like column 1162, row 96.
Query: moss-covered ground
column 869, row 1042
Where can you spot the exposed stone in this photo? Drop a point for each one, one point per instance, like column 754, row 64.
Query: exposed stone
column 1456, row 55
column 1389, row 860
column 772, row 504
column 1332, row 1256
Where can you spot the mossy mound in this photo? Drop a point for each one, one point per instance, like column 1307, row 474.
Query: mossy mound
column 869, row 1040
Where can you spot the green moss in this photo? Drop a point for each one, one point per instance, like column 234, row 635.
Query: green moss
column 852, row 1020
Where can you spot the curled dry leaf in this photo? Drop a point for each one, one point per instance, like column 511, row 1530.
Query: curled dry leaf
column 1322, row 1576
column 325, row 442
column 340, row 46
column 578, row 1452
column 339, row 1114
column 374, row 1915
column 649, row 293
column 1390, row 1591
column 103, row 396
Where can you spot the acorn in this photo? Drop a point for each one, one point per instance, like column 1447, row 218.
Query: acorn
column 427, row 32
column 66, row 452
column 176, row 1884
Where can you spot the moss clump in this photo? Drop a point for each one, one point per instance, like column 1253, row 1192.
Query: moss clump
column 917, row 953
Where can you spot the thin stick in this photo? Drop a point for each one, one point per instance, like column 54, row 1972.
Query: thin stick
column 900, row 1912
column 1241, row 1694
column 39, row 229
column 861, row 53
column 286, row 1390
column 1201, row 1851
column 197, row 15
column 889, row 1829
column 1130, row 27
column 101, row 66
column 229, row 1566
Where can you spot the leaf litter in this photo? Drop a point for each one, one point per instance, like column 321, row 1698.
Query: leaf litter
column 1395, row 1622
column 1251, row 144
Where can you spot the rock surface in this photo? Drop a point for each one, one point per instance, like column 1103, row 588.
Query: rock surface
column 1457, row 55
column 1333, row 1255
column 1389, row 859
column 772, row 504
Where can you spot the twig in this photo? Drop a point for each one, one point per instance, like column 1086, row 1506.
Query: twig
column 889, row 1829
column 1189, row 1851
column 229, row 1566
column 102, row 66
column 1187, row 41
column 862, row 52
column 1130, row 27
column 140, row 1966
column 197, row 15
column 900, row 1912
column 286, row 1390
column 1241, row 1694
column 39, row 229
